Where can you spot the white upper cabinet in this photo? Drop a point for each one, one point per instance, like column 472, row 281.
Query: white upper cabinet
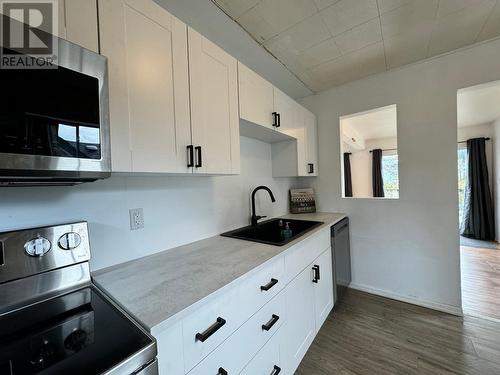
column 77, row 22
column 213, row 77
column 311, row 134
column 256, row 97
column 149, row 86
column 284, row 106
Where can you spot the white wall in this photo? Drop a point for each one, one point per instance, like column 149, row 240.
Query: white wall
column 407, row 248
column 177, row 210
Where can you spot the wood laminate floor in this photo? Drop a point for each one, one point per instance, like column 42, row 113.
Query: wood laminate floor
column 480, row 281
column 373, row 335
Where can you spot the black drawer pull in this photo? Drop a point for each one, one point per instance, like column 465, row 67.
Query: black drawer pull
column 269, row 285
column 190, row 150
column 210, row 330
column 316, row 273
column 269, row 324
column 311, row 167
column 222, row 371
column 279, row 120
column 199, row 163
column 276, row 370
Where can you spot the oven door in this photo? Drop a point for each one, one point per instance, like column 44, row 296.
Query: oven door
column 54, row 123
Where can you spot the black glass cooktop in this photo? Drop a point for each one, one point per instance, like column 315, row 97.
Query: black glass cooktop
column 77, row 333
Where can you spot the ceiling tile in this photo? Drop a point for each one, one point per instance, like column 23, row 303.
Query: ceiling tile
column 460, row 28
column 235, row 8
column 385, row 6
column 359, row 36
column 450, row 6
column 257, row 26
column 492, row 27
column 406, row 48
column 418, row 15
column 318, row 54
column 346, row 14
column 355, row 65
column 321, row 4
column 303, row 35
column 282, row 14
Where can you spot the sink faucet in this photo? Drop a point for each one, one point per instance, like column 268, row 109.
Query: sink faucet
column 256, row 218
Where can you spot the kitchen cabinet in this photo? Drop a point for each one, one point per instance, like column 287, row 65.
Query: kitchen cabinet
column 300, row 327
column 284, row 106
column 256, row 97
column 299, row 157
column 213, row 77
column 323, row 287
column 78, row 22
column 148, row 84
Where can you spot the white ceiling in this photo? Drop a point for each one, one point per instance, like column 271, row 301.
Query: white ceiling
column 478, row 105
column 373, row 124
column 330, row 42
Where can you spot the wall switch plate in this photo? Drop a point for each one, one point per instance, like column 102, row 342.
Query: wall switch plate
column 136, row 218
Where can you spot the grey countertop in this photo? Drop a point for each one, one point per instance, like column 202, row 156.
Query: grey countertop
column 158, row 287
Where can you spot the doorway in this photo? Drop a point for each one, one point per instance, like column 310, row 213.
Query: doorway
column 478, row 163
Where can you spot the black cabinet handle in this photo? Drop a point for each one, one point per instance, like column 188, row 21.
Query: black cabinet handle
column 198, row 157
column 275, row 119
column 269, row 285
column 269, row 324
column 210, row 330
column 279, row 120
column 316, row 273
column 222, row 371
column 190, row 150
column 311, row 167
column 276, row 370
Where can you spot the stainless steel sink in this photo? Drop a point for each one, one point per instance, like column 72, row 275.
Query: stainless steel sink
column 269, row 231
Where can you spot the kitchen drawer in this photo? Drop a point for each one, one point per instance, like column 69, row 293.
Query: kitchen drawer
column 267, row 361
column 228, row 312
column 301, row 255
column 243, row 344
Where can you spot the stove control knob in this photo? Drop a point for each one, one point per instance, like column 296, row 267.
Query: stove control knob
column 37, row 247
column 69, row 241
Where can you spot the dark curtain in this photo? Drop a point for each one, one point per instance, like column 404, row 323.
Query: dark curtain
column 377, row 180
column 347, row 175
column 478, row 220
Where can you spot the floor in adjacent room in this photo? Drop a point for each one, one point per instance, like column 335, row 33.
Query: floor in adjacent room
column 371, row 335
column 480, row 281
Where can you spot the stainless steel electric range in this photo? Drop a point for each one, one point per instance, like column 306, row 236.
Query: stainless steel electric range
column 53, row 320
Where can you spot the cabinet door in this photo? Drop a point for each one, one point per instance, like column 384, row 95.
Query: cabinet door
column 78, row 22
column 311, row 143
column 214, row 106
column 286, row 108
column 299, row 329
column 256, row 97
column 147, row 57
column 323, row 288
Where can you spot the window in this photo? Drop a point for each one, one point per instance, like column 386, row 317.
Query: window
column 462, row 181
column 390, row 175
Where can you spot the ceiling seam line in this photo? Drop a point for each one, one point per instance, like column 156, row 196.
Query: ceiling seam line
column 382, row 36
column 486, row 21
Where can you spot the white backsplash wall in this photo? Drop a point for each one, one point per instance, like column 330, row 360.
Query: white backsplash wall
column 177, row 210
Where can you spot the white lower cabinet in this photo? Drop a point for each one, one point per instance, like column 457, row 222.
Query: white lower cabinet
column 267, row 361
column 268, row 318
column 300, row 327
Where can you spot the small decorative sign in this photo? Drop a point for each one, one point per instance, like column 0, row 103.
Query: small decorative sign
column 302, row 201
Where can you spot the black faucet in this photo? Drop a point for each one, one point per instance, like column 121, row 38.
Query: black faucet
column 255, row 218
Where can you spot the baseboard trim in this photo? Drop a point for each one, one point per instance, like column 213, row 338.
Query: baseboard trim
column 454, row 310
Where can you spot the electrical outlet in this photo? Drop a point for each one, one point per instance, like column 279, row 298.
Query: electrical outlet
column 136, row 218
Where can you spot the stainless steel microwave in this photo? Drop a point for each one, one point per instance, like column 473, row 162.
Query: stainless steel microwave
column 54, row 123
